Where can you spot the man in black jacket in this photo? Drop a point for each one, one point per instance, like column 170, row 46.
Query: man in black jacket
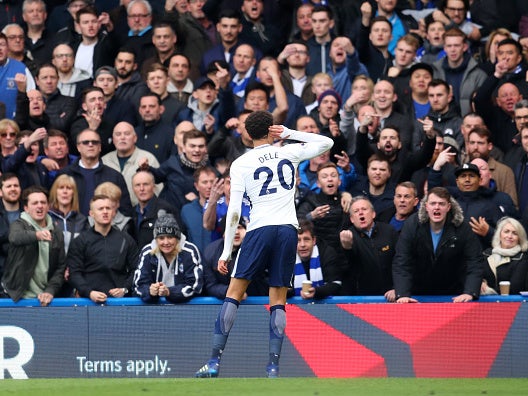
column 102, row 260
column 449, row 259
column 369, row 248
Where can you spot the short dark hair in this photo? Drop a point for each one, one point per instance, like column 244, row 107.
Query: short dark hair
column 324, row 8
column 306, row 226
column 85, row 10
column 194, row 134
column 441, row 192
column 46, row 65
column 229, row 13
column 32, row 190
column 513, row 42
column 435, row 82
column 54, row 133
column 127, row 50
column 88, row 90
column 482, row 132
column 381, row 19
column 258, row 123
column 257, row 86
column 149, row 94
column 6, row 176
column 203, row 169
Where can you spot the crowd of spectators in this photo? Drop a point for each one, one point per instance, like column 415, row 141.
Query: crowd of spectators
column 129, row 113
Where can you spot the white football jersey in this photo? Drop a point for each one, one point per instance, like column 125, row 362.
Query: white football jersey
column 267, row 175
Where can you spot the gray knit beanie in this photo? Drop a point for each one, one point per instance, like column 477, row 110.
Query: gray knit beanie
column 167, row 225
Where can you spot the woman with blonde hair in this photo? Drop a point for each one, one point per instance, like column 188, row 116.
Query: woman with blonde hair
column 490, row 49
column 9, row 131
column 64, row 208
column 507, row 258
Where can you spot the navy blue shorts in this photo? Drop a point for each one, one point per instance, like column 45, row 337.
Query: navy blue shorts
column 271, row 247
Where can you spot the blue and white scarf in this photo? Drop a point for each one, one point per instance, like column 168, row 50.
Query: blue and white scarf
column 316, row 274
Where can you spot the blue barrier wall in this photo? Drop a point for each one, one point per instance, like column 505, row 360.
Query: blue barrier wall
column 338, row 337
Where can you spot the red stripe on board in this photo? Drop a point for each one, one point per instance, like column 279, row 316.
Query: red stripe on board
column 328, row 352
column 446, row 340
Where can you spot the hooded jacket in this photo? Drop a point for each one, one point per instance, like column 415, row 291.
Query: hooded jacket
column 456, row 267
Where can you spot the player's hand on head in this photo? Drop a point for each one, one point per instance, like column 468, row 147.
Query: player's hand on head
column 275, row 131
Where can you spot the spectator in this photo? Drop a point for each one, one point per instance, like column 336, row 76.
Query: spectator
column 294, row 77
column 10, row 210
column 154, row 134
column 390, row 146
column 479, row 210
column 244, row 61
column 444, row 115
column 433, row 43
column 130, row 86
column 405, row 204
column 404, row 58
column 303, row 19
column 319, row 44
column 164, row 39
column 517, row 160
column 35, row 265
column 30, row 113
column 24, row 161
column 326, row 209
column 102, row 260
column 373, row 43
column 9, row 130
column 180, row 85
column 60, row 109
column 459, row 69
column 480, row 146
column 9, row 70
column 316, row 262
column 57, row 152
column 72, row 80
column 506, row 259
column 169, row 266
column 377, row 187
column 343, row 65
column 16, row 46
column 415, row 99
column 501, row 199
column 490, row 49
column 139, row 19
column 384, row 99
column 148, row 208
column 369, row 249
column 125, row 158
column 320, row 82
column 120, row 221
column 117, row 109
column 89, row 171
column 453, row 14
column 210, row 106
column 449, row 261
column 192, row 213
column 38, row 40
column 157, row 81
column 92, row 116
column 229, row 26
column 496, row 105
column 64, row 209
column 256, row 31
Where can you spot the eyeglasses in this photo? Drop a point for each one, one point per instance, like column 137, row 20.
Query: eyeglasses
column 90, row 142
column 454, row 9
column 15, row 37
column 8, row 134
column 58, row 56
column 134, row 16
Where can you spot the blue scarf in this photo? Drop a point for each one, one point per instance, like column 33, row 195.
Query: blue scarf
column 316, row 274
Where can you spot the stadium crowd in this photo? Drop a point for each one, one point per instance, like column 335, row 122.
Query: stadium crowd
column 119, row 121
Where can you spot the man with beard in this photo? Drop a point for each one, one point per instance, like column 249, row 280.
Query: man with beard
column 390, row 147
column 369, row 248
column 449, row 260
column 377, row 186
column 130, row 85
column 10, row 210
column 405, row 204
column 72, row 80
column 480, row 146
